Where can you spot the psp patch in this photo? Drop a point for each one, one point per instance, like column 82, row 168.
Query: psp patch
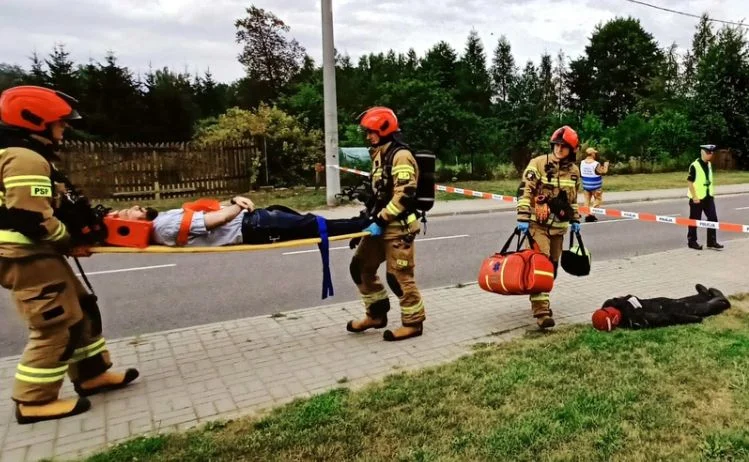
column 41, row 191
column 530, row 175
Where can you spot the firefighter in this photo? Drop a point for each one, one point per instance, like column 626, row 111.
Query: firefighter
column 395, row 225
column 548, row 207
column 63, row 318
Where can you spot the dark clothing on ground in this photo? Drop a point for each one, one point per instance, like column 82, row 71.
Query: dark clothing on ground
column 640, row 313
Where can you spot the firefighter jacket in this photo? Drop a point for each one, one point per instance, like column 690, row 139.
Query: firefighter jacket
column 550, row 188
column 28, row 197
column 395, row 190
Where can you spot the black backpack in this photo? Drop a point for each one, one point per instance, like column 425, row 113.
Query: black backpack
column 426, row 161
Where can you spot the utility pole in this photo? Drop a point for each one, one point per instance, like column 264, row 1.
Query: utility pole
column 332, row 175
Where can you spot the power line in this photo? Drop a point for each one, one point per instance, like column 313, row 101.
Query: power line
column 686, row 14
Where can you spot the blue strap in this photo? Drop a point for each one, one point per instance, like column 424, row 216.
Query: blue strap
column 324, row 246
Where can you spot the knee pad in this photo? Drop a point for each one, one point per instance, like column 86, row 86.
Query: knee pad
column 91, row 308
column 355, row 270
column 394, row 285
column 75, row 333
column 379, row 308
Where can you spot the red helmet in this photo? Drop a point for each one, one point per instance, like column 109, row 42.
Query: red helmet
column 33, row 108
column 380, row 120
column 606, row 318
column 565, row 135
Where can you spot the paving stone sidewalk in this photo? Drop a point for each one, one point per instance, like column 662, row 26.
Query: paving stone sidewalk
column 241, row 367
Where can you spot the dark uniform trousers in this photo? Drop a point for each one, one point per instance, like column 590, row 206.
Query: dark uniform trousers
column 706, row 205
column 64, row 327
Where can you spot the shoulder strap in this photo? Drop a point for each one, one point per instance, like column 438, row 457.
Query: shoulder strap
column 184, row 227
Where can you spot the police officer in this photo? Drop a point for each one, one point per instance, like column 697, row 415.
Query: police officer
column 395, row 224
column 701, row 194
column 63, row 318
column 548, row 206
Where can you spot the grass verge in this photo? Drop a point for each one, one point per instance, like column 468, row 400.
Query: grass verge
column 676, row 393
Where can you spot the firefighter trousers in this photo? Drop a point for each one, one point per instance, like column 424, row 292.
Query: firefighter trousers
column 398, row 252
column 550, row 242
column 64, row 327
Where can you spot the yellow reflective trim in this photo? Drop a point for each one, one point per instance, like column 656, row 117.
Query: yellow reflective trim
column 13, row 237
column 540, row 297
column 524, row 202
column 560, row 182
column 403, row 168
column 92, row 346
column 413, row 309
column 18, row 184
column 392, row 209
column 543, row 273
column 38, row 178
column 404, row 175
column 42, row 371
column 30, row 379
column 377, row 296
column 58, row 234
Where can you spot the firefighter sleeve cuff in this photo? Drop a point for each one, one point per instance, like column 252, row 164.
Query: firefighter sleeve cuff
column 381, row 222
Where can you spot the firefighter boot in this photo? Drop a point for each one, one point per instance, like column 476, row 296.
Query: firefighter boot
column 105, row 382
column 58, row 409
column 376, row 317
column 403, row 333
column 541, row 310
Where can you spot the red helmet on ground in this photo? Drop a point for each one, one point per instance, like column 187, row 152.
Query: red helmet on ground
column 34, row 108
column 565, row 135
column 380, row 120
column 606, row 318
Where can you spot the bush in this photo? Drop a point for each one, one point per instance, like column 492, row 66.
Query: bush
column 292, row 150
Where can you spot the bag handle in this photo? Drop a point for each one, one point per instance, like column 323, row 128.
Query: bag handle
column 521, row 239
column 579, row 240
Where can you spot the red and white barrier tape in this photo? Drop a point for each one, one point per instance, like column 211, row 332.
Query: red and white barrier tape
column 729, row 227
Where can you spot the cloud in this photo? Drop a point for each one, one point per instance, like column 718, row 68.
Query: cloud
column 195, row 35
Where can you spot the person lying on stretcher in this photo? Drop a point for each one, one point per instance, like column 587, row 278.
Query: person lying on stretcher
column 239, row 223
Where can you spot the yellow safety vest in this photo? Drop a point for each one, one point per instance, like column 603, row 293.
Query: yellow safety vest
column 703, row 185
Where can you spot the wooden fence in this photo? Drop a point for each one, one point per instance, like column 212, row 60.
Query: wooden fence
column 137, row 171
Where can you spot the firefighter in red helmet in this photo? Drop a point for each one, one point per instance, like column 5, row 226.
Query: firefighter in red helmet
column 63, row 318
column 547, row 207
column 395, row 224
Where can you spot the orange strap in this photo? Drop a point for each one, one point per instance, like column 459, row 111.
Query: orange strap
column 184, row 227
column 200, row 205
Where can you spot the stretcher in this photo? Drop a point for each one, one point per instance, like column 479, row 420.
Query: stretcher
column 227, row 248
column 127, row 236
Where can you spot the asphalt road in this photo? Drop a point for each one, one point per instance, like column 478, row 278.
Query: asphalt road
column 147, row 293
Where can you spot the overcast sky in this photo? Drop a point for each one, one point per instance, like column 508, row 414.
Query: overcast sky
column 199, row 34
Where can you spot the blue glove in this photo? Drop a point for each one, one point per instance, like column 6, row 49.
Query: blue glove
column 575, row 227
column 374, row 229
column 523, row 226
